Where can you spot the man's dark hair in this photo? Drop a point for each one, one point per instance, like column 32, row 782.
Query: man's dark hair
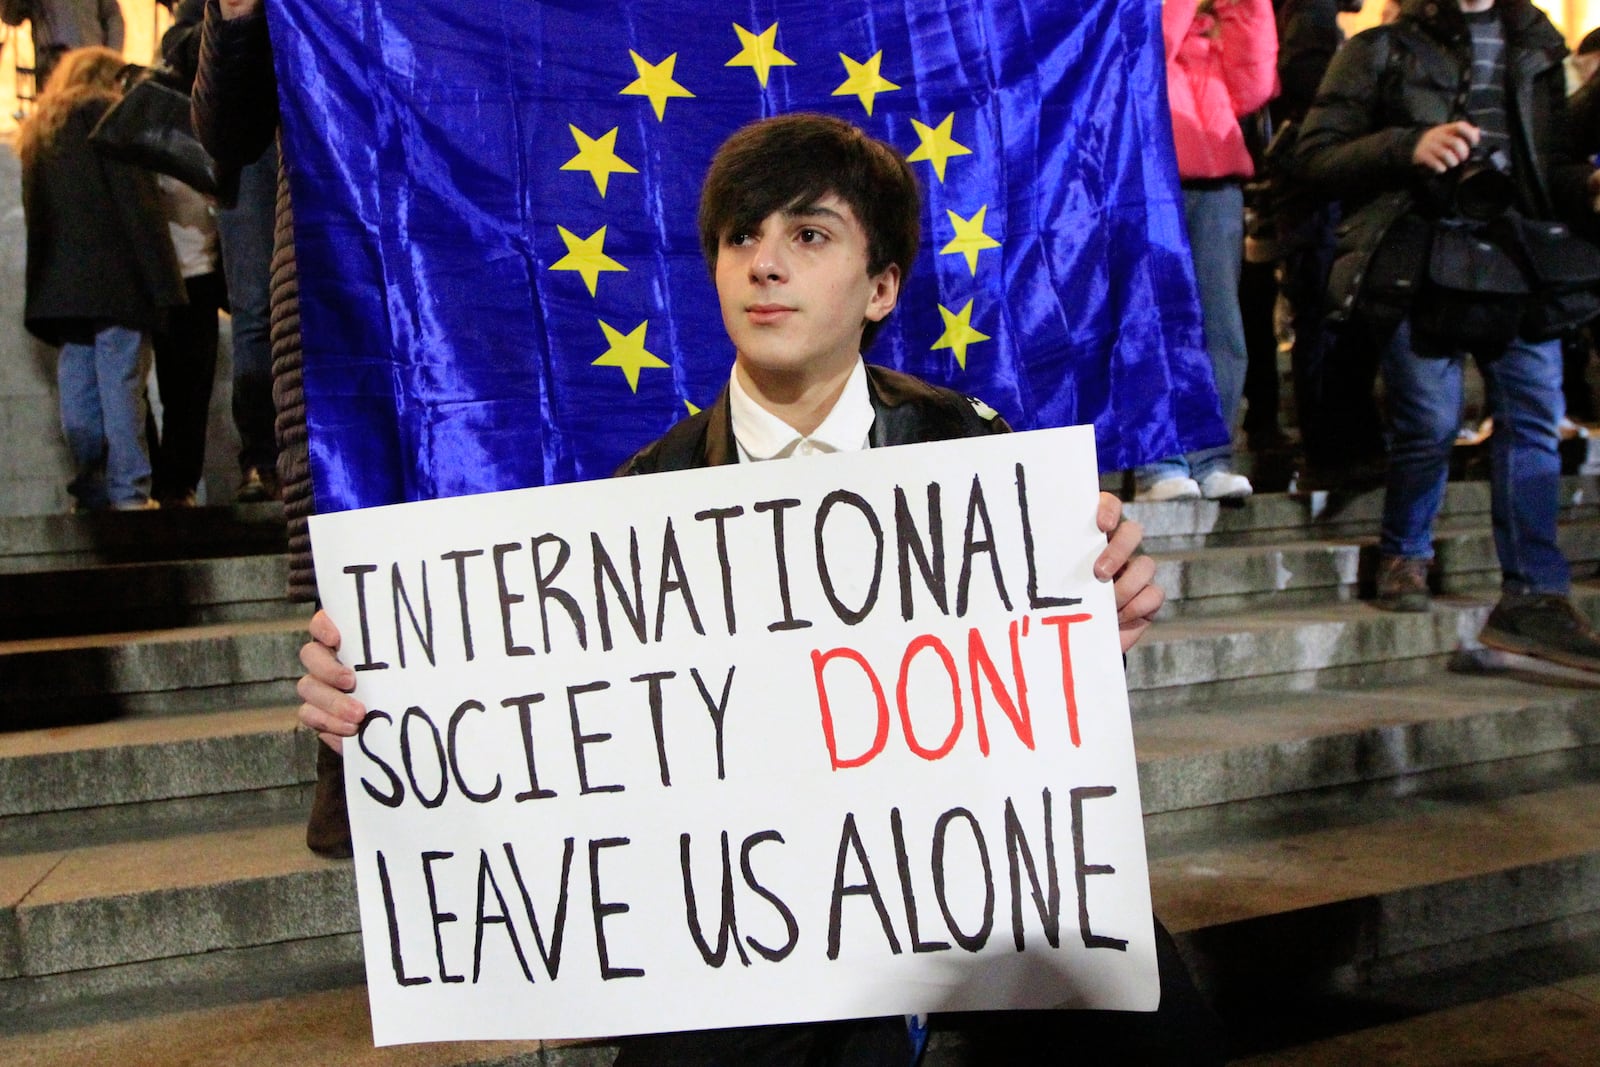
column 1590, row 43
column 791, row 162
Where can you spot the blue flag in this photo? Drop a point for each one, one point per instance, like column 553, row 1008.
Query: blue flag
column 500, row 277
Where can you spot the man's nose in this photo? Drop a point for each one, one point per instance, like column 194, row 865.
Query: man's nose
column 769, row 263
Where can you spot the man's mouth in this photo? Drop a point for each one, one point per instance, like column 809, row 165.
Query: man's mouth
column 767, row 314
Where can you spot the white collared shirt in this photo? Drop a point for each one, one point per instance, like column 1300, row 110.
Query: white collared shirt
column 762, row 435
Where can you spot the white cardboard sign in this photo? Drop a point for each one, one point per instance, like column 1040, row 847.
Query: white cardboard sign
column 832, row 737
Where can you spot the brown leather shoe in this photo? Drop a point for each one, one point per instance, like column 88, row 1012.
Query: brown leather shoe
column 1403, row 584
column 1543, row 626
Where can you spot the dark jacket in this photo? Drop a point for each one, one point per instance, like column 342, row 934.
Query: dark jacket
column 1392, row 83
column 235, row 102
column 98, row 247
column 909, row 411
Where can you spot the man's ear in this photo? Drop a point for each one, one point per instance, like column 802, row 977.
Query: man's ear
column 885, row 293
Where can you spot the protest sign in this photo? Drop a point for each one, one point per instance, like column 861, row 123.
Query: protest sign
column 834, row 737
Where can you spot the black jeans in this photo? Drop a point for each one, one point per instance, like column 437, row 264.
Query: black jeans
column 186, row 365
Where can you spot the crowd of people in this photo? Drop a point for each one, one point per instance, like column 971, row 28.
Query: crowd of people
column 1422, row 195
column 125, row 265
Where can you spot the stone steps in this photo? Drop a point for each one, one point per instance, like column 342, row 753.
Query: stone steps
column 161, row 594
column 1547, row 1004
column 1222, row 580
column 252, row 896
column 74, row 678
column 1176, row 525
column 151, row 776
column 44, row 542
column 1197, row 660
column 1328, row 806
column 328, row 1029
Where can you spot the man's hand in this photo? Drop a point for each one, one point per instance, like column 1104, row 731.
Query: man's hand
column 1445, row 146
column 329, row 709
column 1138, row 597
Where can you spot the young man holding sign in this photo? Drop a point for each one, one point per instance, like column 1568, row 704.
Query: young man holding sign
column 809, row 227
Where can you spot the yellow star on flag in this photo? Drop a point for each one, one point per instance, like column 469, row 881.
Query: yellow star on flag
column 970, row 238
column 627, row 352
column 958, row 332
column 598, row 156
column 655, row 81
column 759, row 51
column 587, row 256
column 937, row 146
column 692, row 409
column 864, row 81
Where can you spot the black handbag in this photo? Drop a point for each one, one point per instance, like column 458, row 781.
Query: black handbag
column 1474, row 292
column 1566, row 271
column 150, row 127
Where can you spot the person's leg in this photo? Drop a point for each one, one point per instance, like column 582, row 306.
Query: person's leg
column 1165, row 479
column 1577, row 349
column 246, row 232
column 82, row 425
column 1258, row 298
column 1534, row 616
column 1524, row 392
column 1424, row 401
column 120, row 369
column 186, row 365
column 1215, row 221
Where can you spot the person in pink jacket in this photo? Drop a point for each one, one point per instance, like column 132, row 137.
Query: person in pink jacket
column 1221, row 64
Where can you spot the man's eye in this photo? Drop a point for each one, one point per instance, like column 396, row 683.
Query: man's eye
column 809, row 236
column 737, row 239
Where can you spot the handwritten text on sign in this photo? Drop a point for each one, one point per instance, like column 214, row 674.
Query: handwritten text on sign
column 822, row 738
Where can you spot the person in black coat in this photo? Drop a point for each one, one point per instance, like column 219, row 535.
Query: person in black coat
column 1334, row 368
column 1415, row 124
column 100, row 273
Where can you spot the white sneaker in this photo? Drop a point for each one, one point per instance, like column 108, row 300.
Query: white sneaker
column 1174, row 488
column 1225, row 485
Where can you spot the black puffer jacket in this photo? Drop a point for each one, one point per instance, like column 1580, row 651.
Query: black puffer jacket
column 1391, row 84
column 909, row 411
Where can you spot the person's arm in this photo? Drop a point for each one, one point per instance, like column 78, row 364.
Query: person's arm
column 328, row 708
column 1342, row 151
column 1177, row 16
column 1249, row 35
column 235, row 101
column 111, row 24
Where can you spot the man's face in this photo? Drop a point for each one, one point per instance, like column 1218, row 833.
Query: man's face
column 795, row 291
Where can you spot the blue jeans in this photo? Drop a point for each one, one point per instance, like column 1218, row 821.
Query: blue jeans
column 246, row 233
column 1424, row 401
column 102, row 417
column 1215, row 220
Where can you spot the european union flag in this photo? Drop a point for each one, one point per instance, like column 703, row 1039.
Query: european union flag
column 501, row 282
